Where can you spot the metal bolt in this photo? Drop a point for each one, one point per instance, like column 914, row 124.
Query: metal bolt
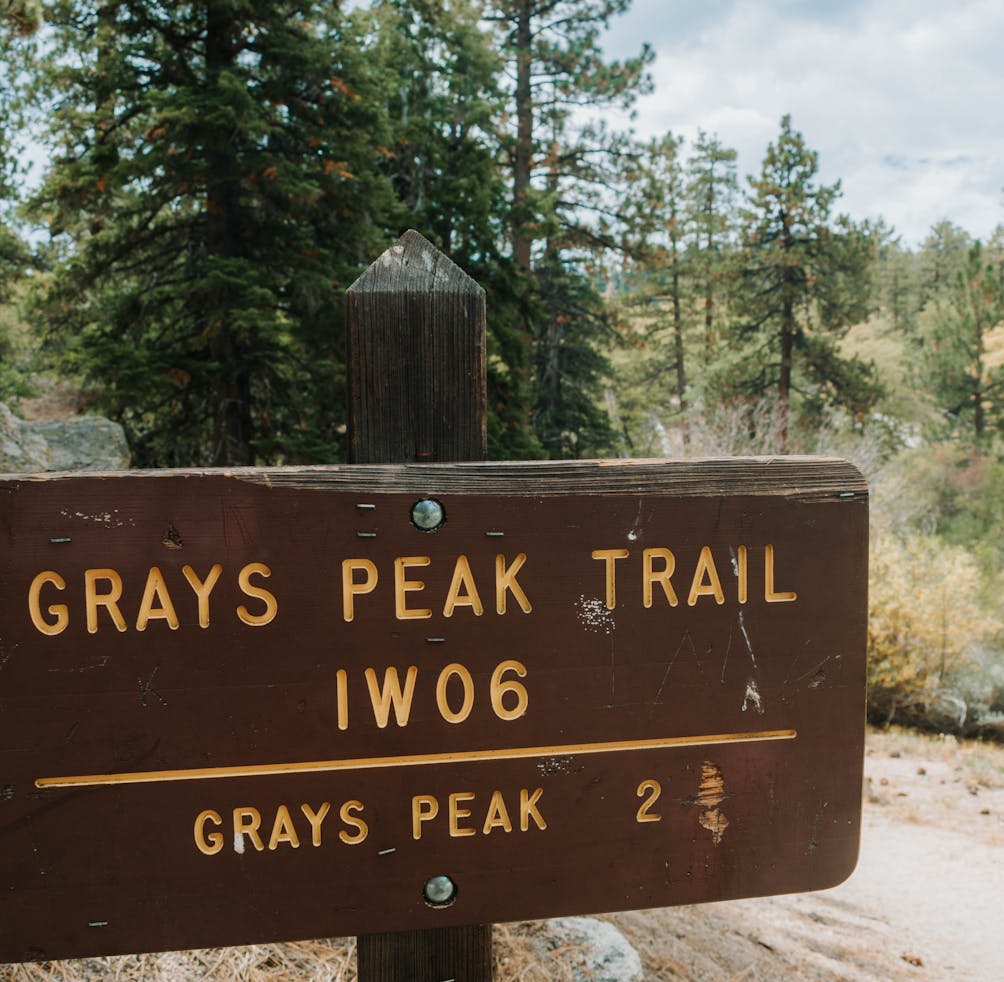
column 428, row 514
column 439, row 891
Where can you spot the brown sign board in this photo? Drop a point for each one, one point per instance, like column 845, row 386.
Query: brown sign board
column 262, row 704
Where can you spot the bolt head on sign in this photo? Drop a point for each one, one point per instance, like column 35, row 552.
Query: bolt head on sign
column 268, row 704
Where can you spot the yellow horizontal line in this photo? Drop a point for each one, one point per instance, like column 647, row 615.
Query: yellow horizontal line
column 411, row 760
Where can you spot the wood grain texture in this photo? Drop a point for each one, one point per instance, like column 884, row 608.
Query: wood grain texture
column 460, row 953
column 796, row 478
column 417, row 392
column 416, row 341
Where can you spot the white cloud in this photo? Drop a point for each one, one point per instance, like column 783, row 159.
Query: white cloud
column 901, row 98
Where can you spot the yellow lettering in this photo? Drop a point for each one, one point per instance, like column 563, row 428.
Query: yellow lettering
column 390, row 692
column 60, row 612
column 247, row 821
column 610, row 557
column 769, row 594
column 342, row 696
column 651, row 575
column 649, row 790
column 424, row 808
column 468, row 684
column 282, row 830
column 498, row 815
column 212, row 843
column 361, row 828
column 462, row 577
column 456, row 813
column 351, row 589
column 202, row 589
column 742, row 574
column 499, row 688
column 505, row 582
column 315, row 819
column 706, row 570
column 402, row 586
column 259, row 593
column 528, row 809
column 156, row 589
column 109, row 600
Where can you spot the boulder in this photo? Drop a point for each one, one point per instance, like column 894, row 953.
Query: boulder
column 593, row 950
column 82, row 443
column 21, row 450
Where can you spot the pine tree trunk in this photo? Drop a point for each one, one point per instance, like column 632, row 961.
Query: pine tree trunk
column 231, row 410
column 523, row 158
column 784, row 377
column 709, row 336
column 681, row 372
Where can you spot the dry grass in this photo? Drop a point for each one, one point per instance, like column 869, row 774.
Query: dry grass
column 324, row 961
column 520, row 950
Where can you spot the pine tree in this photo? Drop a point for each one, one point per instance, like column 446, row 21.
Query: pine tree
column 553, row 52
column 562, row 168
column 662, row 276
column 967, row 383
column 942, row 256
column 19, row 20
column 803, row 283
column 214, row 189
column 897, row 282
column 712, row 189
column 442, row 75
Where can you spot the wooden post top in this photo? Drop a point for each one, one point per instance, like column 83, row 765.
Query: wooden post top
column 414, row 265
column 416, row 344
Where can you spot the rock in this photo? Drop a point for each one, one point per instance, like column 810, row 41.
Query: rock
column 20, row 449
column 83, row 443
column 594, row 950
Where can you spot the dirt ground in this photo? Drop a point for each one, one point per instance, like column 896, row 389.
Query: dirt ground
column 925, row 903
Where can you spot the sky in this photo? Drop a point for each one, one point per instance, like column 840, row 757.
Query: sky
column 902, row 99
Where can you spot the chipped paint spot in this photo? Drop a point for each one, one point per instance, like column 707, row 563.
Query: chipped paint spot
column 710, row 794
column 239, row 843
column 752, row 697
column 557, row 765
column 110, row 519
column 594, row 616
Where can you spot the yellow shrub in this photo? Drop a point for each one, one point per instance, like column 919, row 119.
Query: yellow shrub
column 925, row 623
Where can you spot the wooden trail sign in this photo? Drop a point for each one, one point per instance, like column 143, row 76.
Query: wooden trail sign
column 269, row 704
column 264, row 704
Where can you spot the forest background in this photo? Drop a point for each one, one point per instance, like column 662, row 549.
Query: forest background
column 217, row 174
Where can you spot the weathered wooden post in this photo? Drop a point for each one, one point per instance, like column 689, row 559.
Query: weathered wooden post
column 416, row 368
